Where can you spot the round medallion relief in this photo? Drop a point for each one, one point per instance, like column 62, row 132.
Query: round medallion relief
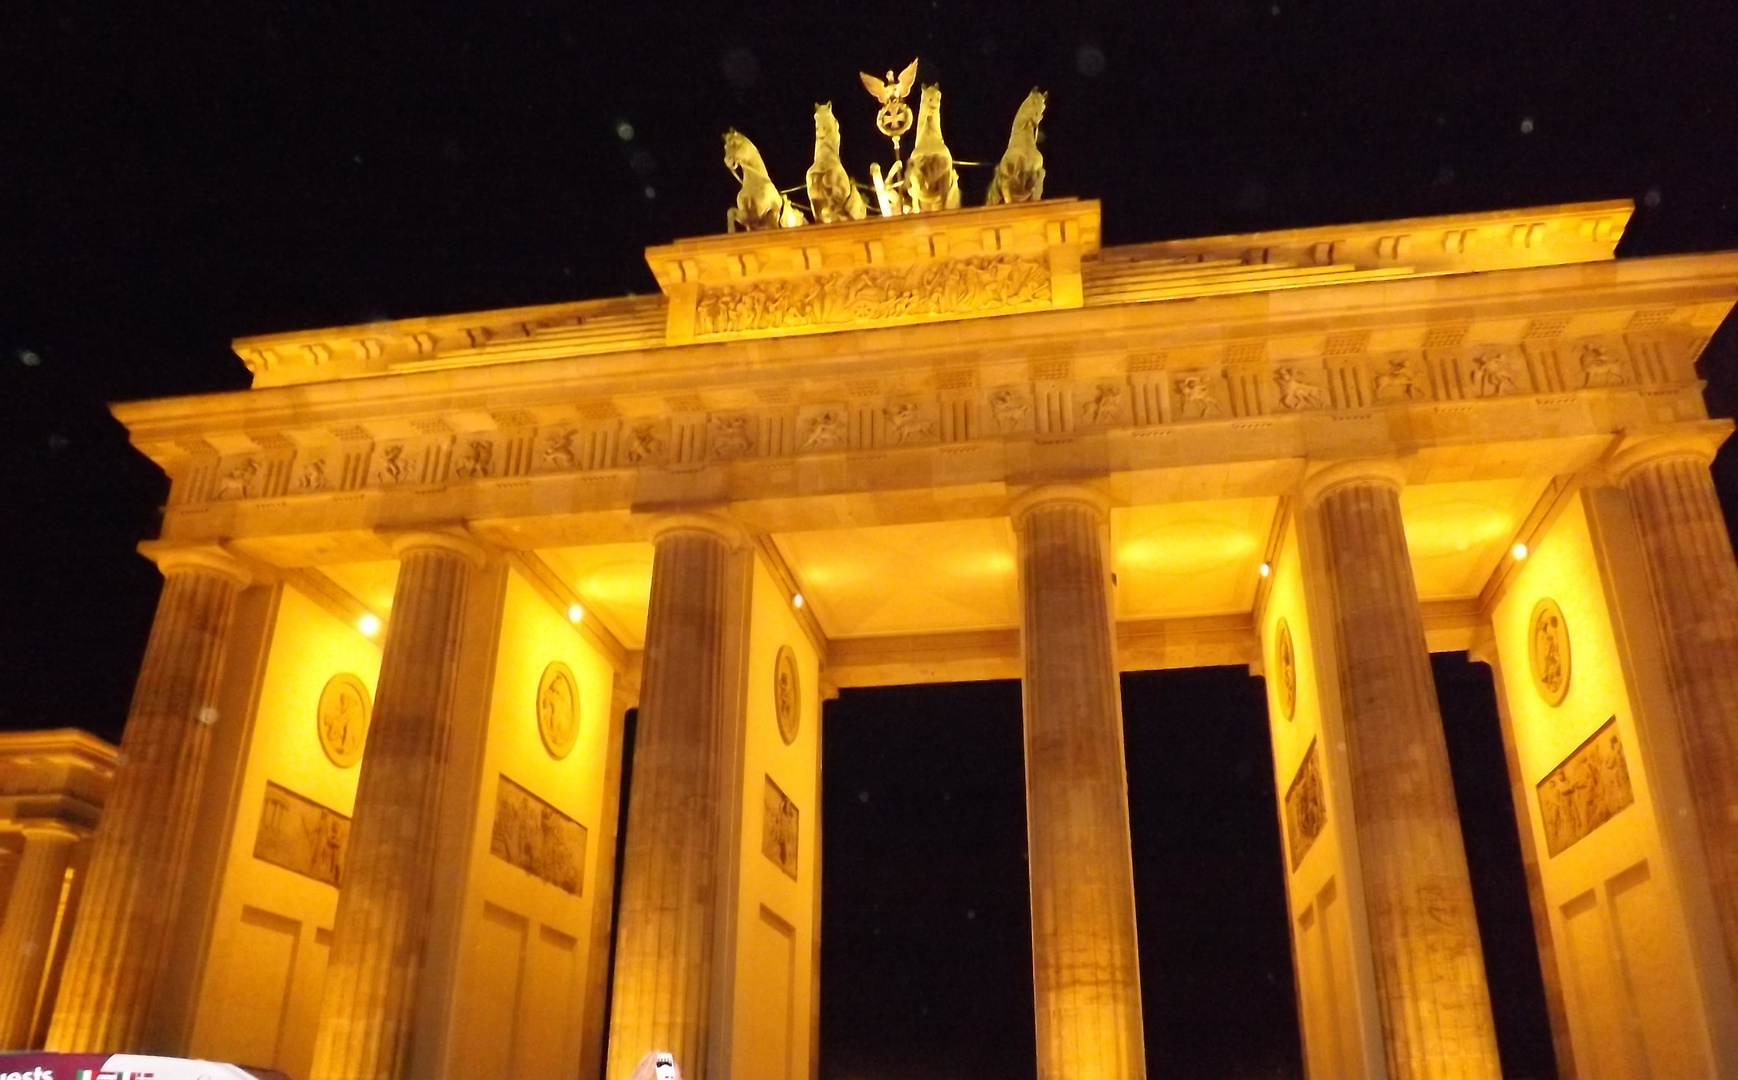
column 787, row 694
column 341, row 720
column 558, row 710
column 1548, row 651
column 1285, row 660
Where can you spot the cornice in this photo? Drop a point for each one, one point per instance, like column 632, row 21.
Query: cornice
column 1680, row 289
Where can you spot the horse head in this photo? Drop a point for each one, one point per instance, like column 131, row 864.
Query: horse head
column 1031, row 110
column 738, row 151
column 929, row 109
column 826, row 128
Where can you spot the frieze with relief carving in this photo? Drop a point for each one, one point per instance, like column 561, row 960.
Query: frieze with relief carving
column 534, row 836
column 872, row 294
column 911, row 418
column 1306, row 807
column 1586, row 790
column 778, row 829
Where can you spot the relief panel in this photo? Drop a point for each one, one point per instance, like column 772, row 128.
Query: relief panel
column 537, row 838
column 778, row 835
column 301, row 835
column 1306, row 808
column 1586, row 790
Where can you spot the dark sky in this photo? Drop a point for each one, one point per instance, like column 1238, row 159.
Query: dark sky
column 176, row 175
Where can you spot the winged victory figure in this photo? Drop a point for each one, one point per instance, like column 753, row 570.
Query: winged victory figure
column 894, row 119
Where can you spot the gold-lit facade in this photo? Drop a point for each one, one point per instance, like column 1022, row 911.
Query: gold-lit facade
column 955, row 445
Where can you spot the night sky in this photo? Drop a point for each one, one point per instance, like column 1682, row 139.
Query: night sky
column 176, row 175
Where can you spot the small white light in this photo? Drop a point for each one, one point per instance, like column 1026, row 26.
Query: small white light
column 575, row 613
column 1519, row 551
column 1266, row 569
column 369, row 624
column 797, row 600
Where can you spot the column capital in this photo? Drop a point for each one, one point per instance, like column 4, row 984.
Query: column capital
column 48, row 828
column 173, row 558
column 1698, row 440
column 1051, row 494
column 461, row 544
column 717, row 525
column 1320, row 478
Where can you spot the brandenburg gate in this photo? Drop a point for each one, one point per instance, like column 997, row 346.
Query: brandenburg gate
column 364, row 821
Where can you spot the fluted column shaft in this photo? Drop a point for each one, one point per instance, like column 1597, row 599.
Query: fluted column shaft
column 664, row 936
column 1424, row 939
column 378, row 934
column 140, row 851
column 1086, row 976
column 24, row 933
column 1695, row 586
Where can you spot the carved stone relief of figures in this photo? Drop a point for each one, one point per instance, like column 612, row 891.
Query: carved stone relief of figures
column 908, row 424
column 393, row 467
column 1285, row 656
column 1548, row 651
column 1296, row 391
column 1196, row 399
column 238, row 483
column 874, row 293
column 476, row 461
column 1398, row 383
column 341, row 719
column 1104, row 407
column 778, row 832
column 301, row 836
column 643, row 445
column 1306, row 808
column 828, row 429
column 730, row 436
column 1600, row 368
column 1586, row 790
column 312, row 477
column 787, row 694
column 558, row 710
column 1491, row 374
column 537, row 838
column 1010, row 409
column 559, row 452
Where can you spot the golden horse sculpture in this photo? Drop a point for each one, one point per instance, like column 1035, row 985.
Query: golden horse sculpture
column 760, row 204
column 930, row 180
column 1020, row 175
column 832, row 195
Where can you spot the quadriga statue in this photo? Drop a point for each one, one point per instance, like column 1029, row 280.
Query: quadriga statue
column 1020, row 175
column 832, row 194
column 760, row 204
column 930, row 180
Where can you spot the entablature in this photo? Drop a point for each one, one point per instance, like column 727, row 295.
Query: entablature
column 964, row 264
column 1508, row 354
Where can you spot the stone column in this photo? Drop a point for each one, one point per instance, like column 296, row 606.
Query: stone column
column 24, row 933
column 665, row 933
column 140, row 851
column 368, row 1009
column 1694, row 580
column 1086, row 975
column 1424, row 939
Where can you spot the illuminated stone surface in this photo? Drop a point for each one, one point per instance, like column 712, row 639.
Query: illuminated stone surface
column 858, row 406
column 119, row 945
column 665, row 932
column 1086, row 970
